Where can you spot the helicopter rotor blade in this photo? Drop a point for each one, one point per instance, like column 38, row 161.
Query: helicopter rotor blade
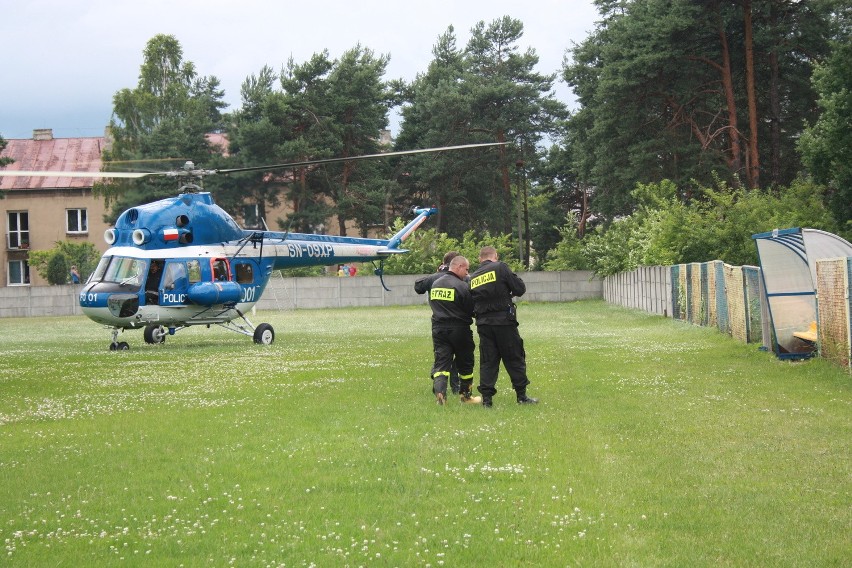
column 131, row 175
column 356, row 158
column 189, row 169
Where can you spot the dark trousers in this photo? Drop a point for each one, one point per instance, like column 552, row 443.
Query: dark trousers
column 501, row 343
column 455, row 382
column 453, row 348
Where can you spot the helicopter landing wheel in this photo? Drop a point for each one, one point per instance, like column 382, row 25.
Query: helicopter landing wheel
column 264, row 334
column 155, row 334
column 120, row 346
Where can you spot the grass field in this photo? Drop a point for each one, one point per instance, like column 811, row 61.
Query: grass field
column 655, row 444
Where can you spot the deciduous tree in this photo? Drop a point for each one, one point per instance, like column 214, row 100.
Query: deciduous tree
column 4, row 161
column 167, row 115
column 827, row 144
column 53, row 264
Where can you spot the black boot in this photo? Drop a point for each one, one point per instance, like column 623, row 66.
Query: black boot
column 439, row 387
column 524, row 399
column 486, row 402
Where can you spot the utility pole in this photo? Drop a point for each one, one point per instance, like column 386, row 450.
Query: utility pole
column 521, row 183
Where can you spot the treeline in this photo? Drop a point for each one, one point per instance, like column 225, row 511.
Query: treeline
column 699, row 123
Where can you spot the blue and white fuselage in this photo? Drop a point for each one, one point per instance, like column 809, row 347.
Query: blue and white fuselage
column 184, row 261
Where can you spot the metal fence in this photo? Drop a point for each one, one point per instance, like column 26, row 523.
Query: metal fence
column 834, row 305
column 732, row 299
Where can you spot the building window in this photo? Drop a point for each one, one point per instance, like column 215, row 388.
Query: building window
column 18, row 234
column 251, row 216
column 19, row 273
column 76, row 221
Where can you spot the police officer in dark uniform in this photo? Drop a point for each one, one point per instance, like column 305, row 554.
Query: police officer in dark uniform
column 452, row 339
column 423, row 285
column 493, row 285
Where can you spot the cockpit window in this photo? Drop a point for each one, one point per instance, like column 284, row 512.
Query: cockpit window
column 98, row 274
column 175, row 276
column 194, row 271
column 125, row 271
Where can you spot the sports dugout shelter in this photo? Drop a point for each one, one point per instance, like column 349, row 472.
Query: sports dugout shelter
column 788, row 262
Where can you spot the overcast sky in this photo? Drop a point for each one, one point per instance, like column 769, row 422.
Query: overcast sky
column 63, row 60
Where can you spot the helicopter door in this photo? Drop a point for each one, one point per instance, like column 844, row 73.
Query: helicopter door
column 152, row 282
column 219, row 268
column 175, row 282
column 245, row 275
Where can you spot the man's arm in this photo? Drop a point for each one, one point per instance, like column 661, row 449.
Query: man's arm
column 516, row 285
column 424, row 284
column 465, row 298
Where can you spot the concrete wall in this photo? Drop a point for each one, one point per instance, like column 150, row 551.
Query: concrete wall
column 333, row 292
column 31, row 301
column 309, row 293
column 647, row 288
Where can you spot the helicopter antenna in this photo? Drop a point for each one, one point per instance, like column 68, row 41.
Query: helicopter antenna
column 287, row 230
column 380, row 272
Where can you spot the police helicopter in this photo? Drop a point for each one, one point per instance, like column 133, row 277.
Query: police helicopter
column 184, row 261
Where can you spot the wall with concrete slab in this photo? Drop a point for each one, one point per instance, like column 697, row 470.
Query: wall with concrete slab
column 647, row 288
column 30, row 301
column 325, row 292
column 309, row 293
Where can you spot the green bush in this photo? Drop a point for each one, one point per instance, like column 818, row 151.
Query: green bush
column 58, row 269
column 568, row 254
column 84, row 255
column 713, row 223
column 427, row 248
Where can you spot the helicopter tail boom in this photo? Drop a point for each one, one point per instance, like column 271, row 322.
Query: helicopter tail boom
column 397, row 239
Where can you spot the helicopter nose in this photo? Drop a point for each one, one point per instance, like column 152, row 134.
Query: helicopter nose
column 123, row 305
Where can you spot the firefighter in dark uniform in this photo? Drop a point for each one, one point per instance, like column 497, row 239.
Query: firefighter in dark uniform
column 452, row 339
column 493, row 285
column 423, row 285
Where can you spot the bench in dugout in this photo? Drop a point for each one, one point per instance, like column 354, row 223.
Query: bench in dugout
column 810, row 335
